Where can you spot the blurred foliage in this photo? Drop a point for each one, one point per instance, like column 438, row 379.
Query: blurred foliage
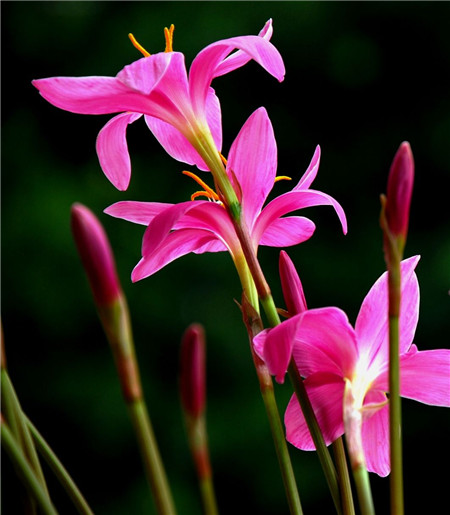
column 361, row 78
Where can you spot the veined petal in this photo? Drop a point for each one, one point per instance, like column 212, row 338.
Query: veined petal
column 112, row 150
column 424, row 376
column 292, row 201
column 287, row 231
column 325, row 342
column 204, row 65
column 372, row 322
column 240, row 58
column 176, row 244
column 311, row 172
column 177, row 145
column 274, row 346
column 326, row 393
column 375, row 437
column 253, row 160
column 135, row 211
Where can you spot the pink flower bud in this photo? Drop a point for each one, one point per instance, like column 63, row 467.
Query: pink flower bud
column 192, row 374
column 96, row 255
column 399, row 191
column 291, row 285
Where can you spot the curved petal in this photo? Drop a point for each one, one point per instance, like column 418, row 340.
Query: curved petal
column 325, row 391
column 292, row 201
column 311, row 172
column 240, row 58
column 325, row 342
column 206, row 62
column 287, row 231
column 274, row 346
column 253, row 160
column 375, row 437
column 425, row 376
column 135, row 211
column 177, row 244
column 177, row 145
column 372, row 322
column 112, row 150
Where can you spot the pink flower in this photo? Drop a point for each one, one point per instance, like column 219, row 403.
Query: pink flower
column 337, row 359
column 96, row 255
column 203, row 226
column 182, row 112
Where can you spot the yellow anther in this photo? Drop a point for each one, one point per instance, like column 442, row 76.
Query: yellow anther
column 209, row 192
column 138, row 46
column 168, row 34
column 282, row 178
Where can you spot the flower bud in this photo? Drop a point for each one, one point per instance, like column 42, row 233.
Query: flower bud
column 291, row 285
column 399, row 192
column 192, row 373
column 96, row 255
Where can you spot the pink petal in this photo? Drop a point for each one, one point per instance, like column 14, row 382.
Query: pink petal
column 112, row 150
column 177, row 145
column 292, row 201
column 372, row 321
column 311, row 172
column 287, row 231
column 240, row 58
column 253, row 160
column 325, row 391
column 204, row 65
column 136, row 212
column 424, row 376
column 275, row 346
column 291, row 285
column 375, row 436
column 325, row 342
column 177, row 244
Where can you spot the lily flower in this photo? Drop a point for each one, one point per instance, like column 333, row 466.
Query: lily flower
column 346, row 367
column 182, row 111
column 205, row 225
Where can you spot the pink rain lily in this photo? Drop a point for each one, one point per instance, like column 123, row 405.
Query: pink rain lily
column 205, row 226
column 338, row 360
column 182, row 111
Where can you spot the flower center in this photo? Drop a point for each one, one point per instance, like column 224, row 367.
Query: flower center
column 207, row 192
column 168, row 35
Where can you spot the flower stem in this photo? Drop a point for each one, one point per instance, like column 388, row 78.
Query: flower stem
column 59, row 470
column 24, row 469
column 361, row 477
column 396, row 478
column 345, row 488
column 254, row 325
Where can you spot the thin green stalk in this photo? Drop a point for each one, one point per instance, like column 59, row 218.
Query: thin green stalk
column 59, row 471
column 345, row 488
column 396, row 477
column 151, row 458
column 361, row 477
column 25, row 471
column 19, row 429
column 316, row 434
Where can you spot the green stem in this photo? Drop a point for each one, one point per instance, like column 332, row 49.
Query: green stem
column 25, row 471
column 361, row 477
column 396, row 477
column 316, row 434
column 16, row 419
column 59, row 471
column 345, row 488
column 151, row 458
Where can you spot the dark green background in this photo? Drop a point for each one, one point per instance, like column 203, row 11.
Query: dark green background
column 361, row 78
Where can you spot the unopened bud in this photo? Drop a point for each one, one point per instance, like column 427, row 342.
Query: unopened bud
column 291, row 285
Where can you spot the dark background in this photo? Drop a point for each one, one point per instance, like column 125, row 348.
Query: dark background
column 361, row 78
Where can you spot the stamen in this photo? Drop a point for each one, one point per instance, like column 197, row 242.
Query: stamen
column 210, row 193
column 138, row 46
column 224, row 161
column 282, row 178
column 202, row 194
column 168, row 34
